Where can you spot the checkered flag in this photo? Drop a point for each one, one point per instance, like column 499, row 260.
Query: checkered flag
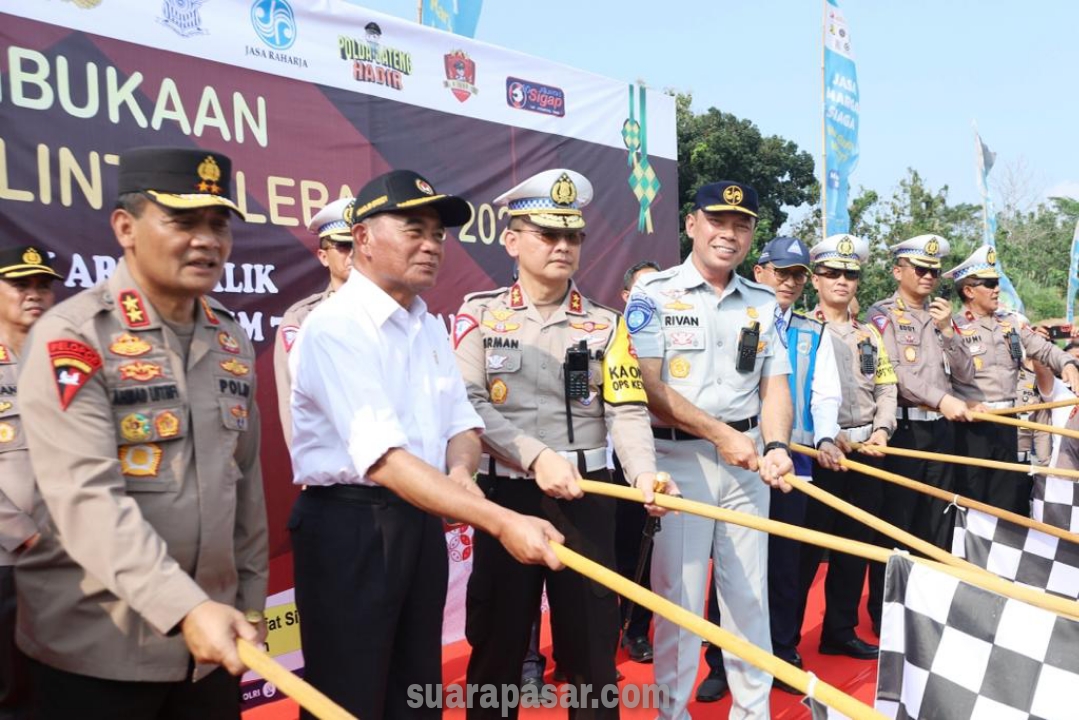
column 1056, row 502
column 1028, row 557
column 820, row 711
column 952, row 651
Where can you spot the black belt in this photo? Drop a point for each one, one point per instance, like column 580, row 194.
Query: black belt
column 369, row 494
column 666, row 433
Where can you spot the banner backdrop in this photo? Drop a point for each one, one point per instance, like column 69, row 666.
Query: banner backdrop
column 311, row 101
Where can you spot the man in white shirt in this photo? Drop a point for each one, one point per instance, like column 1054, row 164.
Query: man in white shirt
column 386, row 442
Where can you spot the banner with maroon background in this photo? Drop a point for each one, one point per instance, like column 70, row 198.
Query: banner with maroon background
column 310, row 103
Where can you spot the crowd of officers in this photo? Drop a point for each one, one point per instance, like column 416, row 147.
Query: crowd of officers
column 132, row 519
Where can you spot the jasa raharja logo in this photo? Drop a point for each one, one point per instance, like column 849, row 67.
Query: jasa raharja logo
column 374, row 62
column 275, row 24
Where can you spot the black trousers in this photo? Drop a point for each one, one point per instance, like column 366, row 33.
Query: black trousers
column 916, row 512
column 371, row 573
column 60, row 695
column 14, row 684
column 630, row 518
column 503, row 596
column 784, row 565
column 846, row 573
column 1005, row 489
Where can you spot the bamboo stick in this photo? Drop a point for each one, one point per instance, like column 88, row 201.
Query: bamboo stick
column 796, row 677
column 1015, row 422
column 1036, row 406
column 975, row 462
column 308, row 697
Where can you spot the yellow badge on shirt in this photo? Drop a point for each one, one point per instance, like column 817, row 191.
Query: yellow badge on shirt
column 885, row 374
column 622, row 383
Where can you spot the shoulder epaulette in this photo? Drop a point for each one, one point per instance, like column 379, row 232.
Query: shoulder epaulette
column 485, row 294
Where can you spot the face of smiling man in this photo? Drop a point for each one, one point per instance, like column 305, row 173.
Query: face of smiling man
column 721, row 241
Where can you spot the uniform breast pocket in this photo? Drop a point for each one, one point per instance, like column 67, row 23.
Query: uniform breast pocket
column 234, row 413
column 909, row 348
column 499, row 360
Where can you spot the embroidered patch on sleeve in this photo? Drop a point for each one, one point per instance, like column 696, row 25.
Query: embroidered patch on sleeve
column 73, row 364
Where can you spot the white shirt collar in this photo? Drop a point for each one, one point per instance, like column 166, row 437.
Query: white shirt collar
column 376, row 302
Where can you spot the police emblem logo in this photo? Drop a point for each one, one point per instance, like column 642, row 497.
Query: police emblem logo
column 7, row 432
column 143, row 460
column 564, row 192
column 499, row 392
column 932, row 247
column 678, row 367
column 31, row 257
column 910, row 354
column 140, row 371
column 845, row 246
column 978, row 363
column 128, row 345
column 209, row 174
column 991, row 256
column 349, row 212
column 234, row 367
column 73, row 363
column 752, row 313
column 134, row 311
column 167, row 424
column 228, row 343
column 424, row 187
column 732, row 195
column 135, row 427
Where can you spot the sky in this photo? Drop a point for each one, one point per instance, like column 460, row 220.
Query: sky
column 926, row 69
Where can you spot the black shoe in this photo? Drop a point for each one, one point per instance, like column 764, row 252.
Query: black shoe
column 638, row 648
column 777, row 684
column 855, row 647
column 713, row 688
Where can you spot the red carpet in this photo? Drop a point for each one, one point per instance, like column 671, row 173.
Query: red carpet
column 855, row 677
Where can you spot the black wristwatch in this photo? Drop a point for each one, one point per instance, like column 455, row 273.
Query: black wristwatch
column 825, row 440
column 777, row 445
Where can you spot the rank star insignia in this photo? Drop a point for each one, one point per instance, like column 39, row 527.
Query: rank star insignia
column 517, row 298
column 209, row 175
column 134, row 311
column 228, row 343
column 140, row 371
column 576, row 303
column 499, row 324
column 73, row 364
column 234, row 367
column 128, row 345
column 208, row 311
column 167, row 424
column 140, row 460
column 136, row 428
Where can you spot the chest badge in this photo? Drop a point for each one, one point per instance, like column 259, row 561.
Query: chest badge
column 499, row 392
column 140, row 371
column 501, row 323
column 234, row 367
column 679, row 367
column 128, row 345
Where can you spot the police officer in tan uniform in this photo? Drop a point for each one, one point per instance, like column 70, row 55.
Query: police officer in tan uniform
column 998, row 341
column 867, row 416
column 138, row 401
column 549, row 371
column 335, row 254
column 26, row 277
column 929, row 357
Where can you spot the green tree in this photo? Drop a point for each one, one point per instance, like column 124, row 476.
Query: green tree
column 715, row 145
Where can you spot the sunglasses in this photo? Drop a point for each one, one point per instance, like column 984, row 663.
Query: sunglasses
column 923, row 271
column 573, row 237
column 835, row 273
column 797, row 274
column 991, row 283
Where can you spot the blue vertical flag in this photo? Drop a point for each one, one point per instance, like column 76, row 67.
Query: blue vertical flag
column 984, row 157
column 1073, row 275
column 840, row 118
column 455, row 16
